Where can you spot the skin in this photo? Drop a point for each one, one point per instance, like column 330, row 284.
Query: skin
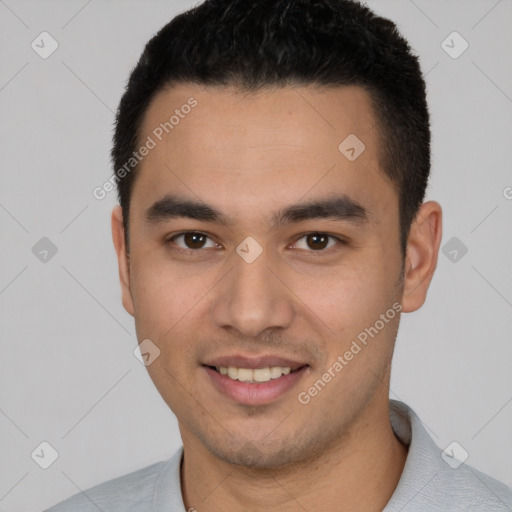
column 249, row 155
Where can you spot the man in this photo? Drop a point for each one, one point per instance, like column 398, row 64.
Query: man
column 271, row 161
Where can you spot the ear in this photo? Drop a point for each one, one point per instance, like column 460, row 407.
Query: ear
column 421, row 255
column 118, row 237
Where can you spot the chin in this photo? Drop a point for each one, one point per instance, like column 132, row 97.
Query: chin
column 263, row 454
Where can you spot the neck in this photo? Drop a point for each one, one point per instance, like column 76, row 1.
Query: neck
column 360, row 473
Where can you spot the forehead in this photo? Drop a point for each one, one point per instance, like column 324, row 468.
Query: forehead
column 276, row 145
column 226, row 117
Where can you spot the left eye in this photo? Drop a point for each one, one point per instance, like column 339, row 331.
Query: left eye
column 316, row 241
column 193, row 240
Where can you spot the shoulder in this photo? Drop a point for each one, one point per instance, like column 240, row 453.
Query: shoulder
column 471, row 489
column 117, row 495
column 433, row 479
column 458, row 490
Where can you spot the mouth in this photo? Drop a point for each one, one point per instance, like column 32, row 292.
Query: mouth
column 254, row 375
column 255, row 382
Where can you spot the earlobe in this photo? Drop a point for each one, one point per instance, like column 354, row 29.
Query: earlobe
column 118, row 237
column 422, row 253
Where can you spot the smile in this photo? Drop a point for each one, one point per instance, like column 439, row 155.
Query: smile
column 254, row 375
column 259, row 385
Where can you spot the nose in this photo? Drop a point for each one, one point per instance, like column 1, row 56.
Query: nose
column 252, row 298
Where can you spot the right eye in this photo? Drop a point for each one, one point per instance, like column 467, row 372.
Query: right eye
column 192, row 241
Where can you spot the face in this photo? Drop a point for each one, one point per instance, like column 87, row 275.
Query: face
column 261, row 248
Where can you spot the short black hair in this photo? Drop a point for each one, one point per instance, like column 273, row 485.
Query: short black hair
column 277, row 43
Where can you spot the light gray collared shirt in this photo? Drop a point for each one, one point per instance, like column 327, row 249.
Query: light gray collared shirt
column 428, row 482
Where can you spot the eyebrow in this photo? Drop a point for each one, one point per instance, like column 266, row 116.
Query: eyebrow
column 340, row 207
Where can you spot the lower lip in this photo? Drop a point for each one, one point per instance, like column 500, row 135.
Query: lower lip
column 258, row 393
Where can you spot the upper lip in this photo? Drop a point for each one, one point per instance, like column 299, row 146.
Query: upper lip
column 254, row 362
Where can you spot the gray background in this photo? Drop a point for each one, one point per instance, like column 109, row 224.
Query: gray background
column 68, row 374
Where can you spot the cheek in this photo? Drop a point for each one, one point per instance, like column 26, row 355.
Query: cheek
column 347, row 298
column 168, row 308
column 166, row 296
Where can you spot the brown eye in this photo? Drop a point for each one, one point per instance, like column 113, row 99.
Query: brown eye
column 192, row 240
column 317, row 241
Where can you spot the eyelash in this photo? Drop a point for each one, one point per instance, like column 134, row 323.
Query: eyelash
column 170, row 241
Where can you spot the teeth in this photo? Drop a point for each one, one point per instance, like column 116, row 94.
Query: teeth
column 276, row 372
column 245, row 374
column 261, row 374
column 254, row 375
